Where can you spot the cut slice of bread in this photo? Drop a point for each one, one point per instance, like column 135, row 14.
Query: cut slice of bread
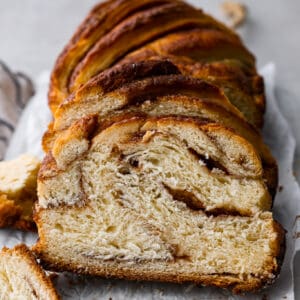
column 92, row 98
column 22, row 278
column 148, row 198
column 217, row 58
column 130, row 89
column 189, row 107
column 18, row 184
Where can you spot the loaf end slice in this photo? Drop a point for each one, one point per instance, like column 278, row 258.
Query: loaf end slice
column 242, row 254
column 22, row 278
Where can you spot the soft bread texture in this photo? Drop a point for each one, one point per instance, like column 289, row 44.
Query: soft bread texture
column 109, row 95
column 131, row 250
column 22, row 278
column 18, row 191
column 219, row 149
column 145, row 189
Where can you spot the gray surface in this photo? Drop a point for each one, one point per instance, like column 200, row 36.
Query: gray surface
column 33, row 32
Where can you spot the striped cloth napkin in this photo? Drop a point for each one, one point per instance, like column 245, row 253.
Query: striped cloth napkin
column 15, row 91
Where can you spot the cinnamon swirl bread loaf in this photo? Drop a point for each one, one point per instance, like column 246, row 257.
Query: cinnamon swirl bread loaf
column 155, row 168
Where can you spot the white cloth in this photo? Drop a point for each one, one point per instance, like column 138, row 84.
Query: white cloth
column 286, row 207
column 15, row 91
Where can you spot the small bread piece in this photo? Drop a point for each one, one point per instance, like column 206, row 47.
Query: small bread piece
column 18, row 181
column 235, row 12
column 135, row 201
column 22, row 278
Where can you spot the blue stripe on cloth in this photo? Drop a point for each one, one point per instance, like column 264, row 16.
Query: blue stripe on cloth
column 18, row 99
column 4, row 139
column 7, row 125
column 29, row 84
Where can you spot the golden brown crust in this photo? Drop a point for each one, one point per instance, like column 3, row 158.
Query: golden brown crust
column 13, row 215
column 23, row 253
column 228, row 72
column 119, row 75
column 122, row 74
column 9, row 212
column 216, row 57
column 144, row 89
column 100, row 20
column 229, row 281
column 210, row 44
column 149, row 23
column 198, row 45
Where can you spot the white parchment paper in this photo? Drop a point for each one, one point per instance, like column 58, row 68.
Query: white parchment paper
column 286, row 208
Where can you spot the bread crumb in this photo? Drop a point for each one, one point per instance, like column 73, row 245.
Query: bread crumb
column 148, row 135
column 235, row 12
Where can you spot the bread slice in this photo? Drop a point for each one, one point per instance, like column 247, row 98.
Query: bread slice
column 22, row 278
column 99, row 96
column 218, row 149
column 190, row 107
column 216, row 57
column 113, row 29
column 148, row 199
column 125, row 88
column 18, row 182
column 199, row 45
